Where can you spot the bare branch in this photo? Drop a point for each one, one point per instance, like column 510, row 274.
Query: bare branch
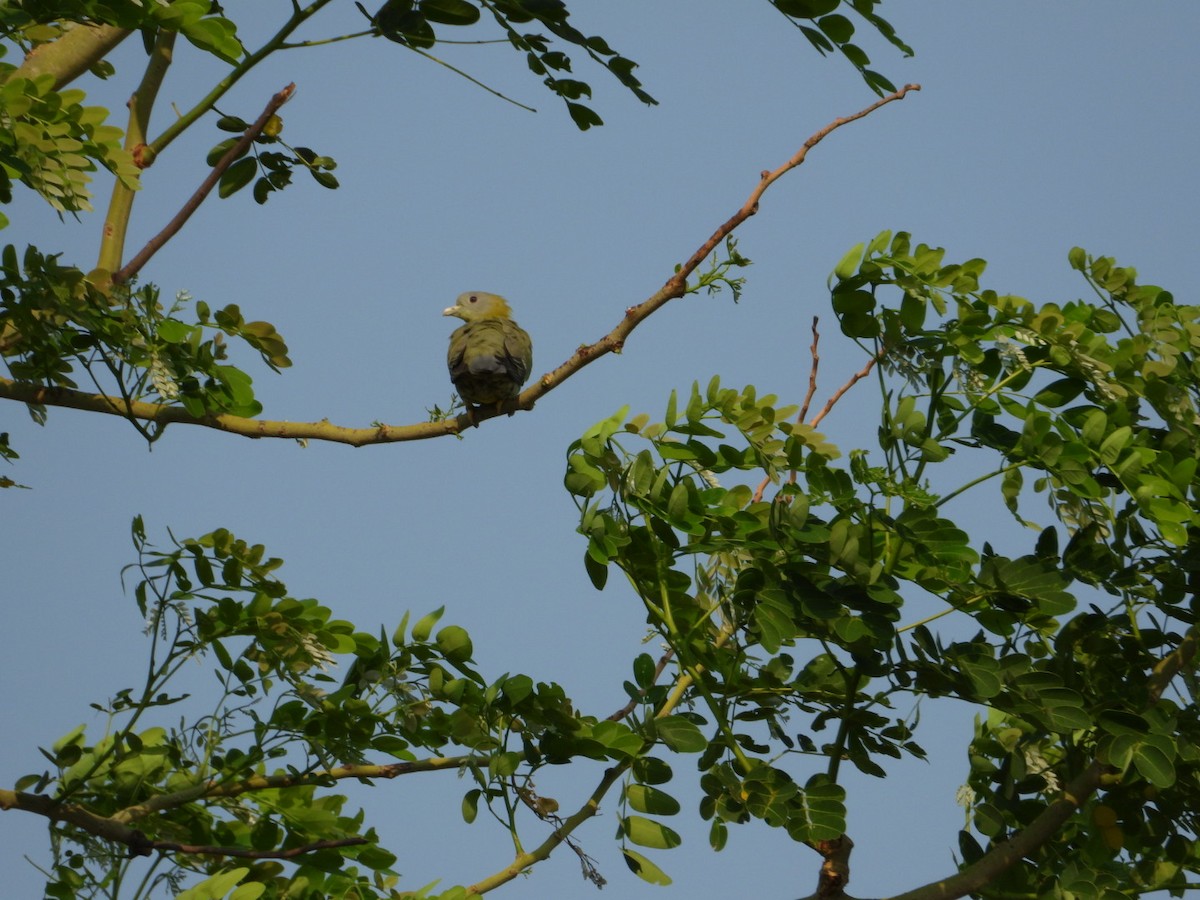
column 840, row 392
column 235, row 152
column 251, row 428
column 674, row 288
column 676, row 285
column 812, row 371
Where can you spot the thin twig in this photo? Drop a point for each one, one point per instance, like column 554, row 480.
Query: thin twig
column 474, row 81
column 812, row 389
column 206, row 850
column 633, row 702
column 840, row 392
column 234, row 153
column 812, row 371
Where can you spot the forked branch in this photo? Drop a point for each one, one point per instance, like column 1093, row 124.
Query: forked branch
column 177, row 222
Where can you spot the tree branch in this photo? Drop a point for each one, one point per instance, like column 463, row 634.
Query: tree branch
column 1042, row 829
column 674, row 288
column 212, row 790
column 1024, row 842
column 110, row 829
column 835, row 869
column 235, row 152
column 1171, row 665
column 814, row 354
column 117, row 827
column 291, row 853
column 71, row 55
column 251, row 428
column 840, row 392
column 141, row 104
column 676, row 285
column 590, row 808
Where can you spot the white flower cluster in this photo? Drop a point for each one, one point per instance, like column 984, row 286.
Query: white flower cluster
column 1036, row 764
column 321, row 656
column 965, row 796
column 1011, row 353
column 162, row 379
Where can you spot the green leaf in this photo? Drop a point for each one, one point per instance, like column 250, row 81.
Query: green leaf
column 1154, row 764
column 597, row 572
column 421, row 631
column 450, row 12
column 680, row 734
column 455, row 643
column 583, row 116
column 848, row 264
column 324, row 179
column 506, row 764
column 651, row 800
column 826, row 807
column 989, row 821
column 174, row 332
column 398, row 636
column 1060, row 392
column 470, row 805
column 649, row 833
column 618, row 738
column 232, row 123
column 237, row 176
column 651, row 770
column 718, row 835
column 71, row 738
column 217, row 35
column 806, row 9
column 644, row 869
column 837, row 28
column 583, row 479
column 217, row 886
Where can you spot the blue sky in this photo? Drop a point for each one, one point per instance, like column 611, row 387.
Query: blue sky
column 1039, row 127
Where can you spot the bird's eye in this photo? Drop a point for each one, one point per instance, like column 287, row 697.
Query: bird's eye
column 474, row 298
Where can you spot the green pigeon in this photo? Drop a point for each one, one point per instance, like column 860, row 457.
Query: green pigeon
column 491, row 355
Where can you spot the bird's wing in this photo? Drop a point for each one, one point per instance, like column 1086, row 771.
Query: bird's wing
column 518, row 352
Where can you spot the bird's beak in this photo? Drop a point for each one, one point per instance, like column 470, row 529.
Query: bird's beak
column 452, row 311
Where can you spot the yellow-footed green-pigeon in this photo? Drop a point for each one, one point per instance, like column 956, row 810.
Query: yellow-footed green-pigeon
column 491, row 355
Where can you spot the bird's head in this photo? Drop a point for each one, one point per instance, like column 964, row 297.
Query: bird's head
column 476, row 305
